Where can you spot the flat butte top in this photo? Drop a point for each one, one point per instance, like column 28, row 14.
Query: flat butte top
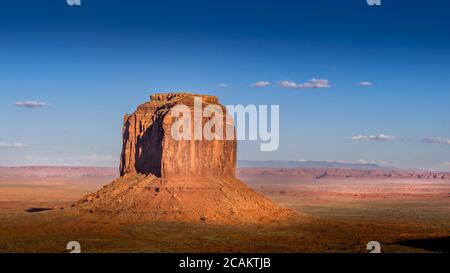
column 167, row 100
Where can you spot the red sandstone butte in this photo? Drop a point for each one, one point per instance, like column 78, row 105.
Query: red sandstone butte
column 163, row 179
column 148, row 146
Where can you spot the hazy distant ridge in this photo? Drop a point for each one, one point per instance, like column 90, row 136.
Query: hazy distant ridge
column 308, row 164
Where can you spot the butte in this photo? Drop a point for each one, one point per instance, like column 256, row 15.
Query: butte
column 163, row 179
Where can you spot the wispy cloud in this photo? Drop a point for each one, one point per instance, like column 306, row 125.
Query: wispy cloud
column 30, row 104
column 260, row 84
column 380, row 137
column 222, row 85
column 384, row 137
column 38, row 158
column 99, row 158
column 435, row 140
column 379, row 162
column 444, row 165
column 313, row 83
column 360, row 161
column 365, row 83
column 15, row 145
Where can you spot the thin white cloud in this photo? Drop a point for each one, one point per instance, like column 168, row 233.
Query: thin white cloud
column 444, row 165
column 435, row 140
column 30, row 104
column 365, row 83
column 379, row 162
column 380, row 137
column 99, row 158
column 38, row 158
column 383, row 137
column 313, row 83
column 260, row 84
column 15, row 145
column 361, row 161
column 222, row 85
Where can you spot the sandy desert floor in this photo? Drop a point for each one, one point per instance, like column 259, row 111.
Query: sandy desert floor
column 335, row 215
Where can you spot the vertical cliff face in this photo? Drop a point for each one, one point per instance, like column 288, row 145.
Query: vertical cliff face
column 149, row 148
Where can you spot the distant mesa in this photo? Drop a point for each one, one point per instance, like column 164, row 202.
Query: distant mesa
column 309, row 164
column 163, row 179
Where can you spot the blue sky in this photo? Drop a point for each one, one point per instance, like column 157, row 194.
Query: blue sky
column 92, row 64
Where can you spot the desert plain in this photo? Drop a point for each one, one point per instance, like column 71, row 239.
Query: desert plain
column 335, row 211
